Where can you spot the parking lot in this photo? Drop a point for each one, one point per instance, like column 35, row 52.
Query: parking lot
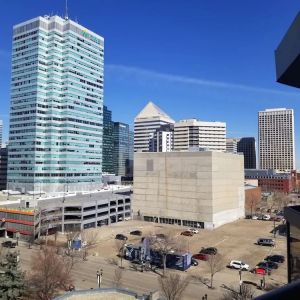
column 234, row 241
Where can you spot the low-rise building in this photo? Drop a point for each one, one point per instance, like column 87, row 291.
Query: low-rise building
column 199, row 189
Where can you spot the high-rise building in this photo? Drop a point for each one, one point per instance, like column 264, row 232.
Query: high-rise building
column 122, row 148
column 231, row 145
column 163, row 139
column 200, row 135
column 108, row 142
column 145, row 125
column 276, row 139
column 55, row 136
column 246, row 145
column 3, row 168
column 1, row 133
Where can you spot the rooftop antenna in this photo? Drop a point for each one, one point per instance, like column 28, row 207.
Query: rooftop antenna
column 66, row 13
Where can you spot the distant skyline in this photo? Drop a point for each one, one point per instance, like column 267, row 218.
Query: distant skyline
column 208, row 60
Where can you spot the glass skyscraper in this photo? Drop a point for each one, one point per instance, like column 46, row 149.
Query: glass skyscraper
column 55, row 137
column 108, row 142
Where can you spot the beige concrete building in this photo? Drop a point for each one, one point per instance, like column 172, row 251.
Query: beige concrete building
column 195, row 134
column 198, row 189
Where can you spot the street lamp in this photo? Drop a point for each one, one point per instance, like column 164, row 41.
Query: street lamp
column 99, row 277
column 241, row 282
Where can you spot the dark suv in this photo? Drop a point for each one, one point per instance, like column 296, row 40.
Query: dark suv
column 209, row 250
column 121, row 237
column 275, row 258
column 136, row 232
column 9, row 244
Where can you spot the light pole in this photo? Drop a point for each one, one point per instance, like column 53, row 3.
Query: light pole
column 99, row 277
column 241, row 282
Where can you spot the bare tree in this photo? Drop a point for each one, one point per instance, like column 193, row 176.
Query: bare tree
column 232, row 293
column 279, row 200
column 173, row 285
column 120, row 249
column 164, row 245
column 215, row 264
column 117, row 278
column 50, row 273
column 89, row 238
column 252, row 202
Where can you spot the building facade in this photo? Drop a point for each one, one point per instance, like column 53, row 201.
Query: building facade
column 108, row 142
column 163, row 139
column 145, row 125
column 122, row 148
column 3, row 168
column 55, row 134
column 246, row 145
column 199, row 189
column 231, row 145
column 276, row 139
column 194, row 134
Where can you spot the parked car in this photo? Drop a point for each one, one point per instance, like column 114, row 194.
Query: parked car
column 187, row 233
column 9, row 244
column 254, row 217
column 261, row 271
column 275, row 258
column 193, row 230
column 237, row 264
column 136, row 232
column 127, row 218
column 201, row 256
column 266, row 217
column 160, row 236
column 265, row 242
column 194, row 262
column 209, row 250
column 267, row 265
column 121, row 237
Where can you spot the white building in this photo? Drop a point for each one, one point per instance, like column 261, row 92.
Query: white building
column 199, row 189
column 163, row 139
column 231, row 145
column 276, row 139
column 195, row 134
column 145, row 125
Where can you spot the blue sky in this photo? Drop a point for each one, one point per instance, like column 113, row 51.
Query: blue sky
column 212, row 60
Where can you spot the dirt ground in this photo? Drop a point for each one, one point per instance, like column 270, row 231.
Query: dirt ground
column 235, row 241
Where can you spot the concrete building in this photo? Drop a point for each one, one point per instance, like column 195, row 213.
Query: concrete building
column 3, row 168
column 163, row 139
column 276, row 139
column 145, row 125
column 108, row 142
column 195, row 134
column 198, row 189
column 56, row 106
column 34, row 215
column 246, row 145
column 231, row 145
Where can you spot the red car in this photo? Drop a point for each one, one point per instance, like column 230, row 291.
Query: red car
column 201, row 256
column 261, row 271
column 187, row 233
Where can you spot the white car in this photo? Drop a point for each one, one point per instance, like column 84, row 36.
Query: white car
column 237, row 264
column 254, row 217
column 266, row 217
column 193, row 230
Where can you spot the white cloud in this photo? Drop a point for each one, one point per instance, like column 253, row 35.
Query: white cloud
column 121, row 69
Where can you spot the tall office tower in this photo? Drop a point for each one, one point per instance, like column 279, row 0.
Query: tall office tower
column 145, row 124
column 122, row 146
column 162, row 139
column 108, row 142
column 1, row 132
column 193, row 134
column 276, row 139
column 246, row 145
column 129, row 161
column 55, row 136
column 3, row 168
column 231, row 145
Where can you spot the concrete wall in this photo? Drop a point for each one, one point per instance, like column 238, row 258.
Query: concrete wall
column 198, row 186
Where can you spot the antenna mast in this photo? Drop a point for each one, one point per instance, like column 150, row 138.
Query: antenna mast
column 66, row 13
